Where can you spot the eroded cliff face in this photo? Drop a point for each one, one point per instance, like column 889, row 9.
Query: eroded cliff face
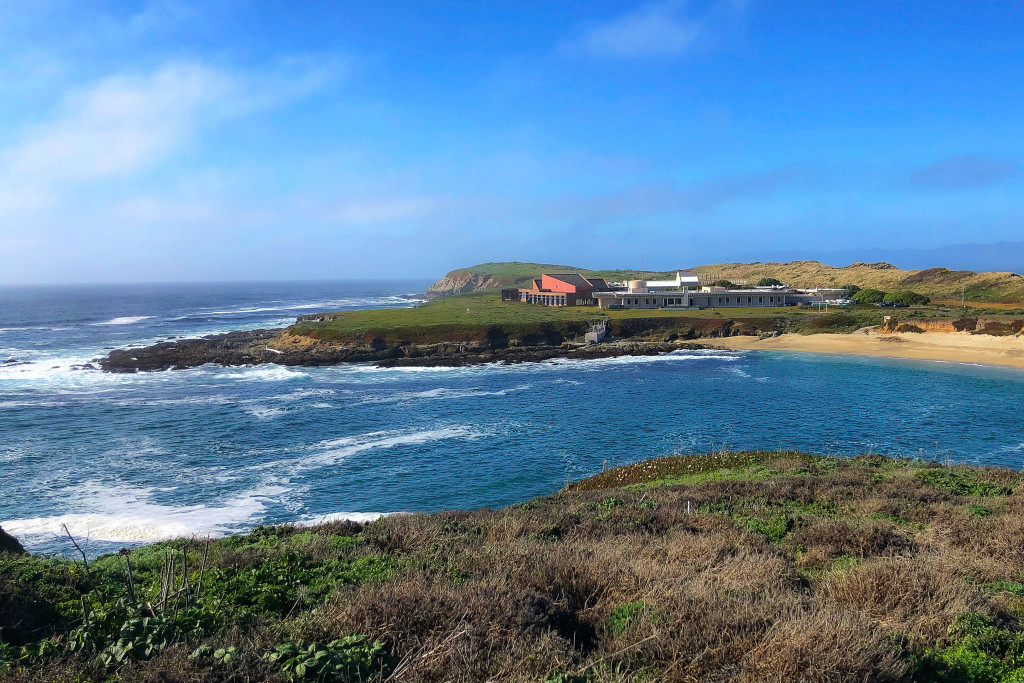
column 460, row 283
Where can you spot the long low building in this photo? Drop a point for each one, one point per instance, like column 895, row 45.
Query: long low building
column 573, row 289
column 732, row 298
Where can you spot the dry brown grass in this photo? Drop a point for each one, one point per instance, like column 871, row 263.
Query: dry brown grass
column 860, row 582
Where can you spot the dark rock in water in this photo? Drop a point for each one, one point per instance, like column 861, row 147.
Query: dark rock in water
column 14, row 361
column 10, row 545
column 84, row 366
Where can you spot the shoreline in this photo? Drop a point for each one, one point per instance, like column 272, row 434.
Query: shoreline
column 954, row 347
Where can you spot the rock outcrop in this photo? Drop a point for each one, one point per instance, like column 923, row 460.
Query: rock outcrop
column 9, row 544
column 462, row 282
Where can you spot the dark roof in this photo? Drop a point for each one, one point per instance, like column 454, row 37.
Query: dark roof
column 574, row 279
column 598, row 282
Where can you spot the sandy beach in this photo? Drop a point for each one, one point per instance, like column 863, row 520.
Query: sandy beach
column 957, row 347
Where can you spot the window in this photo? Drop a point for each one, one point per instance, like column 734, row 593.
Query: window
column 760, row 299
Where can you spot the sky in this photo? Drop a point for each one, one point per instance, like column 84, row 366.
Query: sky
column 178, row 141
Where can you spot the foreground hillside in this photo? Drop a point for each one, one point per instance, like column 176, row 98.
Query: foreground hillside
column 744, row 567
column 937, row 283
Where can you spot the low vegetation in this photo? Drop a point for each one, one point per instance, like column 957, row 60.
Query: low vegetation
column 754, row 566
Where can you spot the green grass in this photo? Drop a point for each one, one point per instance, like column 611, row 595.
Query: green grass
column 962, row 482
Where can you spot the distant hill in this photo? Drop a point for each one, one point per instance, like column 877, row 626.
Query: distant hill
column 937, row 283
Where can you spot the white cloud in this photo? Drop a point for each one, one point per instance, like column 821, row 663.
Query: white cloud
column 118, row 126
column 127, row 123
column 655, row 29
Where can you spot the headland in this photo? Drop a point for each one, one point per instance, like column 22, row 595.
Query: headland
column 498, row 313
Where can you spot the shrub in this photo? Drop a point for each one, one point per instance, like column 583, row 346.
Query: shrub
column 869, row 296
column 1001, row 329
column 907, row 327
column 851, row 289
column 833, row 321
column 965, row 324
column 769, row 282
column 723, row 283
column 906, row 297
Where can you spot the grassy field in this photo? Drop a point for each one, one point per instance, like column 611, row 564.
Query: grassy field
column 483, row 316
column 756, row 566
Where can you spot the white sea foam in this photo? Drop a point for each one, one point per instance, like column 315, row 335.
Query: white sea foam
column 121, row 514
column 264, row 413
column 261, row 373
column 671, row 356
column 439, row 393
column 333, row 451
column 360, row 517
column 125, row 320
column 323, row 305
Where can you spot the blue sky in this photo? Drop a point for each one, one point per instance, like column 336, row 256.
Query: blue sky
column 177, row 141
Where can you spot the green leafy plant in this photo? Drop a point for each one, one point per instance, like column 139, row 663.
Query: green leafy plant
column 978, row 651
column 625, row 616
column 348, row 660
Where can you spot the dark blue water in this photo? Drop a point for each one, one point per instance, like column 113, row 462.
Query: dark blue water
column 131, row 458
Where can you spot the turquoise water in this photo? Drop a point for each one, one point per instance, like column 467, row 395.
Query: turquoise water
column 133, row 458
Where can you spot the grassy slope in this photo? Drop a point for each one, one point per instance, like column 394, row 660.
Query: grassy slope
column 938, row 283
column 733, row 566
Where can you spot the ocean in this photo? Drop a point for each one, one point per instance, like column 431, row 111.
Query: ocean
column 128, row 459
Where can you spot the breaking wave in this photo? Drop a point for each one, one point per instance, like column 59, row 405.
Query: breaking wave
column 119, row 514
column 126, row 320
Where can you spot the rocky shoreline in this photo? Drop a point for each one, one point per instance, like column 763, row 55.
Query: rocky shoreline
column 258, row 347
